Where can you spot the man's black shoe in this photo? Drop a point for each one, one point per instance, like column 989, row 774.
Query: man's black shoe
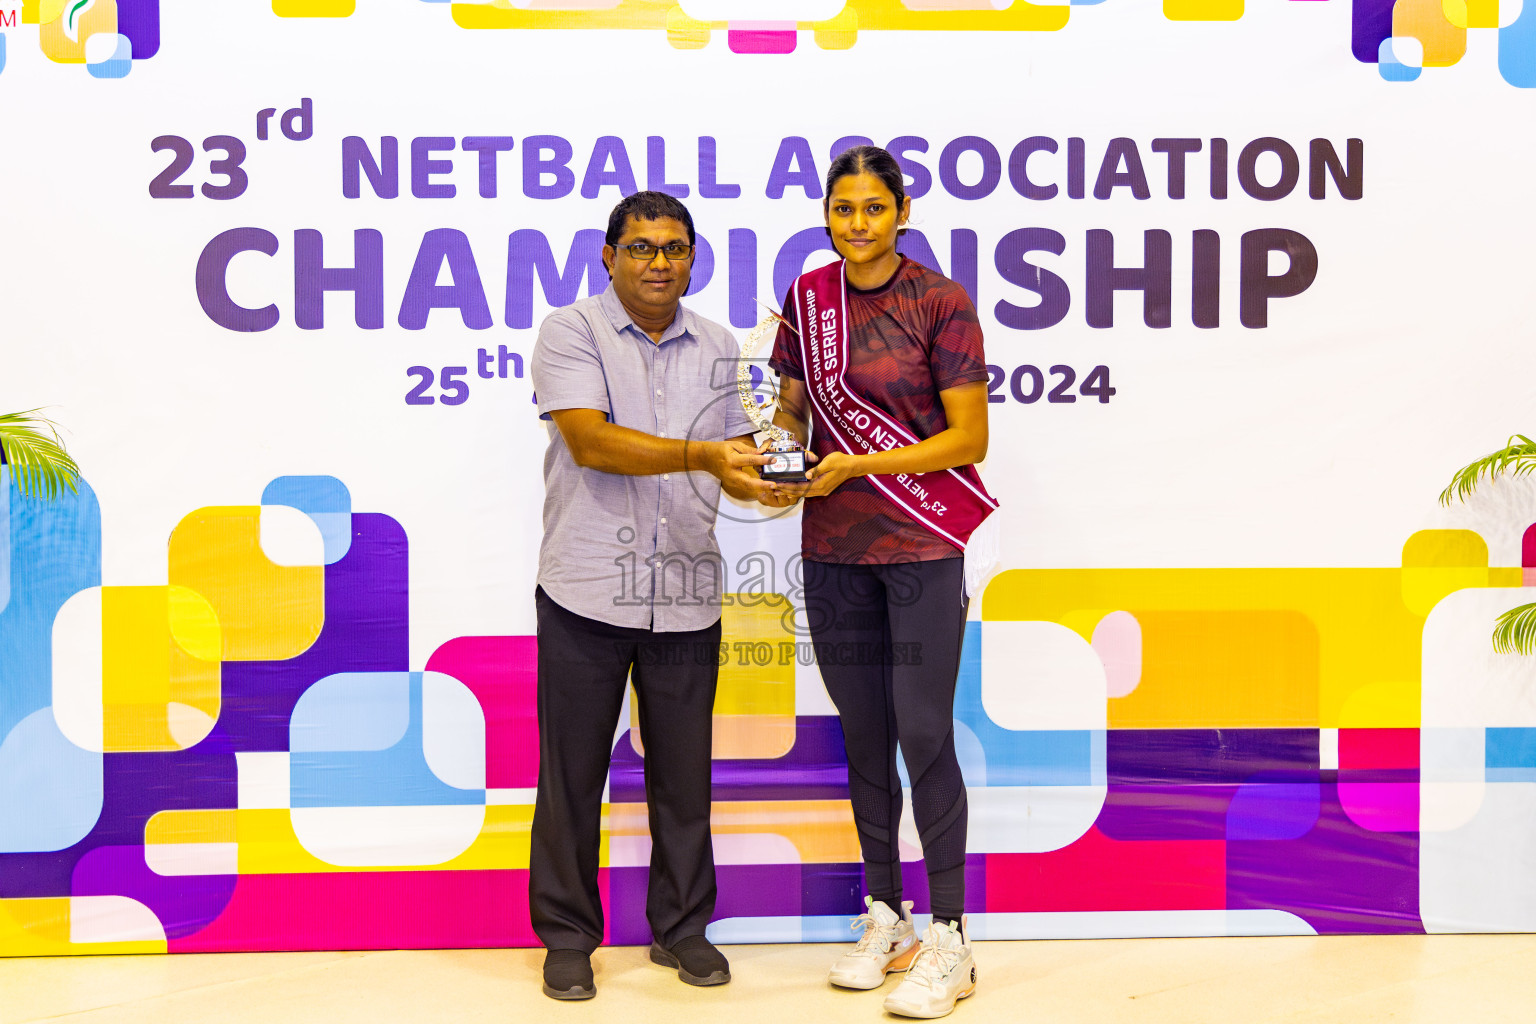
column 568, row 974
column 697, row 961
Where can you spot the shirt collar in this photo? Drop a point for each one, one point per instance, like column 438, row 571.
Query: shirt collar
column 681, row 324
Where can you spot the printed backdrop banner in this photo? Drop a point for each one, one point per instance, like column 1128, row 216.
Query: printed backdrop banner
column 1254, row 280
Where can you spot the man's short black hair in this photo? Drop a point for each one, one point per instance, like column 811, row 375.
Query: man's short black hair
column 646, row 206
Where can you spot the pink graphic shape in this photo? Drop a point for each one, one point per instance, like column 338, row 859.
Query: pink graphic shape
column 1381, row 806
column 761, row 36
column 503, row 674
column 1364, row 749
column 1117, row 642
column 368, row 910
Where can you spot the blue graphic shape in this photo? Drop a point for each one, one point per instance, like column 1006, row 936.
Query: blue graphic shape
column 2, row 51
column 5, row 488
column 968, row 751
column 137, row 787
column 325, row 500
column 118, row 64
column 365, row 776
column 1278, row 805
column 352, row 711
column 55, row 552
column 50, row 789
column 1392, row 70
column 1510, row 755
column 1030, row 757
column 1517, row 49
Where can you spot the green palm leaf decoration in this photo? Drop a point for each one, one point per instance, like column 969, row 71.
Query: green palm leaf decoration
column 1517, row 458
column 31, row 445
column 1515, row 631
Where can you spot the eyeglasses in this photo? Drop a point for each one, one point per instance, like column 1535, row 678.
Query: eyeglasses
column 673, row 251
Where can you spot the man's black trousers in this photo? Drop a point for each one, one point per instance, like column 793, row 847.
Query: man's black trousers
column 584, row 665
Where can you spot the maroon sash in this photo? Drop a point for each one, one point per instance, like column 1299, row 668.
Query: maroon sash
column 950, row 503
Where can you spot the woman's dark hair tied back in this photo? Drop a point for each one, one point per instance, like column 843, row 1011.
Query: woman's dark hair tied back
column 868, row 160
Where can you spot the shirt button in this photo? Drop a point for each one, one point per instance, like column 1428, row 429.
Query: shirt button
column 666, row 476
column 663, row 520
column 658, row 391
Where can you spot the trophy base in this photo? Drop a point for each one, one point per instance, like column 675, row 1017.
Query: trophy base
column 787, row 467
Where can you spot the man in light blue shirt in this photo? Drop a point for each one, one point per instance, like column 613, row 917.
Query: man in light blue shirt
column 647, row 431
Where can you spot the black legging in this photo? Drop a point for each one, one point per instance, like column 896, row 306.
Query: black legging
column 888, row 643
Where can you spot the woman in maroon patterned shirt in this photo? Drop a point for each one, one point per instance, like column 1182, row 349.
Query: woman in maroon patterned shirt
column 880, row 363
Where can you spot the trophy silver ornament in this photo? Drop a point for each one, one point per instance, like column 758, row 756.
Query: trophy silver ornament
column 788, row 465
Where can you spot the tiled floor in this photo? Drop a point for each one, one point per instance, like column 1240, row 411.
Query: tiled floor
column 1458, row 979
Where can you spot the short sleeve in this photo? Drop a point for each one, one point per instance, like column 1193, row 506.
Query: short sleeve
column 957, row 357
column 566, row 369
column 786, row 361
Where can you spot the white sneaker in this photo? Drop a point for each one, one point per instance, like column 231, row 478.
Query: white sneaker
column 888, row 944
column 942, row 972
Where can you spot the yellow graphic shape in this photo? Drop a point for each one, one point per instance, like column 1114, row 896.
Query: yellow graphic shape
column 1471, row 13
column 1426, row 21
column 266, row 612
column 267, row 845
column 159, row 660
column 57, row 45
column 314, row 8
column 1210, row 668
column 1381, row 705
column 685, row 33
column 1441, row 562
column 838, row 32
column 41, row 927
column 31, row 12
column 893, row 15
column 822, row 831
column 754, row 714
column 1202, row 10
column 1198, row 625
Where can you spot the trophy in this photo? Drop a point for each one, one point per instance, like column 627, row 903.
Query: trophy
column 788, row 463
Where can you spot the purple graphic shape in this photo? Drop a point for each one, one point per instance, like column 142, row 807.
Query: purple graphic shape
column 136, row 787
column 778, row 890
column 625, row 906
column 1370, row 24
column 1189, row 811
column 185, row 904
column 1179, row 783
column 914, row 885
column 835, row 889
column 1339, row 878
column 139, row 20
column 367, row 610
column 815, row 768
column 758, row 890
column 1275, row 806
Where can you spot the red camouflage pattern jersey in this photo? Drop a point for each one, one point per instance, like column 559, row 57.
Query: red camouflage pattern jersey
column 909, row 339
